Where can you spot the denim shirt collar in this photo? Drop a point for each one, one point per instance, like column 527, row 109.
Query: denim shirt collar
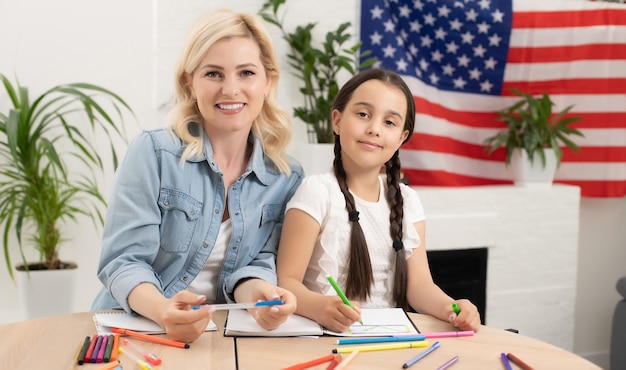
column 256, row 164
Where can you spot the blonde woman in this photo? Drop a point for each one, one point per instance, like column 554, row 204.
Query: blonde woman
column 196, row 209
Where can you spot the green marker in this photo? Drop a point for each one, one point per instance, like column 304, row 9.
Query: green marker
column 340, row 293
column 456, row 308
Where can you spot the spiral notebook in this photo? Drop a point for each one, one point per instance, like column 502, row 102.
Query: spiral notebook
column 104, row 321
column 376, row 322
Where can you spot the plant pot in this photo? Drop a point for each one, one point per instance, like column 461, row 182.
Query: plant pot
column 46, row 292
column 534, row 174
column 316, row 158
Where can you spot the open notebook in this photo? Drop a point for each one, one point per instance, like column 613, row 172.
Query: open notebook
column 104, row 321
column 376, row 322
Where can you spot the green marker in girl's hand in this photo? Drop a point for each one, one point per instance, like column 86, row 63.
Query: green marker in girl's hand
column 340, row 293
column 456, row 308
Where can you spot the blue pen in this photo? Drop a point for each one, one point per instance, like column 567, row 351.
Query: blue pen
column 505, row 361
column 421, row 355
column 233, row 306
column 403, row 338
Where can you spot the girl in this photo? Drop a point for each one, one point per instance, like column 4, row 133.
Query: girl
column 354, row 225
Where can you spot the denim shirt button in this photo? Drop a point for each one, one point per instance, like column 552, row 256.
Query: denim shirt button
column 185, row 278
column 205, row 245
column 167, row 203
column 237, row 213
column 217, row 211
column 235, row 248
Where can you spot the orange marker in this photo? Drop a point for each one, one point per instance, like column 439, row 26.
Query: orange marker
column 150, row 338
column 116, row 345
column 317, row 361
column 334, row 363
column 110, row 366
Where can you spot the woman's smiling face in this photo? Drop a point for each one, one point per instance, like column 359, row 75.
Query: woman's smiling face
column 230, row 85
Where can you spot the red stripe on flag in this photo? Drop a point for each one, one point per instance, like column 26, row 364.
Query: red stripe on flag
column 569, row 86
column 574, row 18
column 470, row 119
column 565, row 53
column 448, row 179
column 443, row 144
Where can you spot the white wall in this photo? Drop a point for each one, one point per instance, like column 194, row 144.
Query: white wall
column 130, row 47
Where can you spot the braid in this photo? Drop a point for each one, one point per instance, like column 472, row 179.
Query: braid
column 360, row 276
column 396, row 206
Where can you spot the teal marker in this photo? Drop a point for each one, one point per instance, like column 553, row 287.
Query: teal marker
column 340, row 293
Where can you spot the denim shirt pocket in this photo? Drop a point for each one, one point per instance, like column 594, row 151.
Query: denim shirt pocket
column 179, row 218
column 271, row 213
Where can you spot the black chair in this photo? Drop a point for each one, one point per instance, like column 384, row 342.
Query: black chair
column 618, row 332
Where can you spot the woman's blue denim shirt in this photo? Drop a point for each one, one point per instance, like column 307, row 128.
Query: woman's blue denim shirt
column 163, row 218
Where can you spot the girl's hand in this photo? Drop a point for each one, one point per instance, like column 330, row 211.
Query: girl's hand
column 467, row 319
column 335, row 315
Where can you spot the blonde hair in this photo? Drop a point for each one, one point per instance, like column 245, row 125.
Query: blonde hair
column 272, row 126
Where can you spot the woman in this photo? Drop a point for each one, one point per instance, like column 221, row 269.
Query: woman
column 196, row 209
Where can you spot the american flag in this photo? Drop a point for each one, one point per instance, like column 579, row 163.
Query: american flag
column 462, row 57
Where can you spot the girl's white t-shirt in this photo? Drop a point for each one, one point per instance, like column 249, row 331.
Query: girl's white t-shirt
column 320, row 197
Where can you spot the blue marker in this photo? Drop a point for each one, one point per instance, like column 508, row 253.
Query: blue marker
column 234, row 306
column 400, row 338
column 421, row 355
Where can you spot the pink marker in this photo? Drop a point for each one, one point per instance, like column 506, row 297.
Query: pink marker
column 449, row 334
column 151, row 358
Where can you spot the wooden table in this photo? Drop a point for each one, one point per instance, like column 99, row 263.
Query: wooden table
column 51, row 342
column 480, row 352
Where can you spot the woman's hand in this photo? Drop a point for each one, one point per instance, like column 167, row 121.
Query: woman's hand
column 467, row 319
column 270, row 317
column 180, row 321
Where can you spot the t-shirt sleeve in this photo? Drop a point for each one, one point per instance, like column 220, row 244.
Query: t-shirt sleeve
column 312, row 197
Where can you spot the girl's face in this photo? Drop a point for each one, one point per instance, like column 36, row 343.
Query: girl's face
column 230, row 85
column 371, row 127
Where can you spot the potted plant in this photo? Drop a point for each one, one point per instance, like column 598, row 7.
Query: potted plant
column 318, row 68
column 39, row 190
column 533, row 133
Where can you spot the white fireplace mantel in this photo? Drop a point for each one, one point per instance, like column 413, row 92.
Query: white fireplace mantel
column 532, row 236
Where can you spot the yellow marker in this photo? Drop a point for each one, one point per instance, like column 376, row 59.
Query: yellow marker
column 383, row 347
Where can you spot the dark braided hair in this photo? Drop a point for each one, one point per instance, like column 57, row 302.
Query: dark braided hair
column 360, row 276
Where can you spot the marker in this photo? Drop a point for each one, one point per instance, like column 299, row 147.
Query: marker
column 110, row 366
column 304, row 365
column 92, row 345
column 516, row 360
column 96, row 350
column 420, row 355
column 142, row 365
column 382, row 347
column 233, row 306
column 346, row 362
column 456, row 308
column 449, row 334
column 448, row 363
column 150, row 338
column 72, row 364
column 505, row 361
column 83, row 351
column 102, row 349
column 116, row 345
column 340, row 293
column 407, row 338
column 333, row 364
column 109, row 348
column 151, row 358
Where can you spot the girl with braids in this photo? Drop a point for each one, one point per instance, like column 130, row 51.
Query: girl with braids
column 356, row 226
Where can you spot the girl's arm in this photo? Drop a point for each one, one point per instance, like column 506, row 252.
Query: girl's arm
column 426, row 297
column 299, row 234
